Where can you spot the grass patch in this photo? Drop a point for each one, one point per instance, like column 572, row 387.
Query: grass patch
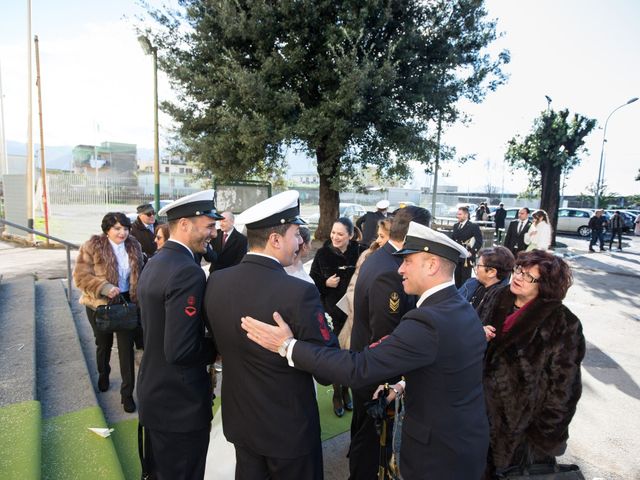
column 20, row 440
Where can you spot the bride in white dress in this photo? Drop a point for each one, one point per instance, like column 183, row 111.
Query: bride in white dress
column 539, row 235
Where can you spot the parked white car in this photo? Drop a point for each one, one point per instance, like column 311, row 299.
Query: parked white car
column 574, row 220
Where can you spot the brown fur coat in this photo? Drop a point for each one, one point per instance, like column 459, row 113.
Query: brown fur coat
column 96, row 269
column 532, row 377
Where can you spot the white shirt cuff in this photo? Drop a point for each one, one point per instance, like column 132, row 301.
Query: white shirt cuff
column 290, row 352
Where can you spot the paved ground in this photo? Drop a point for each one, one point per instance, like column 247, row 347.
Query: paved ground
column 605, row 296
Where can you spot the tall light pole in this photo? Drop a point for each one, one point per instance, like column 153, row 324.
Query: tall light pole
column 29, row 128
column 596, row 196
column 151, row 50
column 548, row 102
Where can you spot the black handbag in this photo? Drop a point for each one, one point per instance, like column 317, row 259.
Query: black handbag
column 539, row 471
column 117, row 317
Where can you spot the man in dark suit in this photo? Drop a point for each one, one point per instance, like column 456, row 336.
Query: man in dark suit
column 368, row 223
column 379, row 304
column 173, row 384
column 514, row 240
column 230, row 245
column 439, row 347
column 499, row 217
column 270, row 412
column 467, row 234
column 144, row 228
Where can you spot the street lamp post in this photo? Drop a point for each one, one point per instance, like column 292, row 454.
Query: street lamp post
column 151, row 50
column 596, row 196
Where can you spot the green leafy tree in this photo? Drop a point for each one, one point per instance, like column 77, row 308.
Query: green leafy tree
column 355, row 83
column 552, row 148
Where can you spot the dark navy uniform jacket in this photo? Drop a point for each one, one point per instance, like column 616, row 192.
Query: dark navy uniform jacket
column 268, row 407
column 379, row 301
column 464, row 234
column 439, row 347
column 173, row 384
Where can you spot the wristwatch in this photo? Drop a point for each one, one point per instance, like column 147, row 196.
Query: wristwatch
column 282, row 349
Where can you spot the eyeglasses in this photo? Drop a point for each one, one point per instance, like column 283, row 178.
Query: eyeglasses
column 150, row 214
column 475, row 267
column 517, row 270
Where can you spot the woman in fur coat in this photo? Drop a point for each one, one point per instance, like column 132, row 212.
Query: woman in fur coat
column 107, row 266
column 532, row 377
column 331, row 270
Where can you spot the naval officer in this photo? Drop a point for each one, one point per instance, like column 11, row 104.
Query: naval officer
column 438, row 347
column 269, row 410
column 173, row 384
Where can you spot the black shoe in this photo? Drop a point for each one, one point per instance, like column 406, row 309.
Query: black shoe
column 103, row 382
column 346, row 399
column 128, row 404
column 603, row 249
column 338, row 407
column 592, row 250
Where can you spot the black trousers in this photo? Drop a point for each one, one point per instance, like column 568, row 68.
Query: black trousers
column 614, row 232
column 104, row 342
column 251, row 466
column 177, row 455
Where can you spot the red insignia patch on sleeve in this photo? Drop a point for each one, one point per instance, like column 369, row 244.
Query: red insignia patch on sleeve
column 191, row 300
column 324, row 330
column 375, row 344
column 191, row 311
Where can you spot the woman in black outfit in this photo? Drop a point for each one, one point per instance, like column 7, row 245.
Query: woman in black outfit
column 331, row 270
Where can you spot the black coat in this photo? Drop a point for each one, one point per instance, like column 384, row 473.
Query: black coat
column 499, row 217
column 173, row 384
column 144, row 236
column 514, row 241
column 330, row 261
column 532, row 376
column 269, row 407
column 439, row 348
column 368, row 225
column 231, row 253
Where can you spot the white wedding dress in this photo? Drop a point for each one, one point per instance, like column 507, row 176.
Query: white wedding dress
column 221, row 456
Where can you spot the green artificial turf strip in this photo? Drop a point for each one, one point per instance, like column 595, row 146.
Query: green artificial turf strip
column 125, row 440
column 71, row 451
column 20, row 440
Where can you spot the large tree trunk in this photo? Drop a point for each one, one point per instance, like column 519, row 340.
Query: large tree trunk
column 550, row 195
column 329, row 198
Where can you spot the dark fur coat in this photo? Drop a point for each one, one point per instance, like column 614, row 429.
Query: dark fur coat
column 532, row 378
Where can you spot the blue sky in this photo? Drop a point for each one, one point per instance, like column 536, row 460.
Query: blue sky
column 584, row 54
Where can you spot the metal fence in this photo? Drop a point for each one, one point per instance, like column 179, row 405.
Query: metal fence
column 84, row 189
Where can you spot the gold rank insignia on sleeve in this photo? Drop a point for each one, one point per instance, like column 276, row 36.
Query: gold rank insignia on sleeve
column 394, row 302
